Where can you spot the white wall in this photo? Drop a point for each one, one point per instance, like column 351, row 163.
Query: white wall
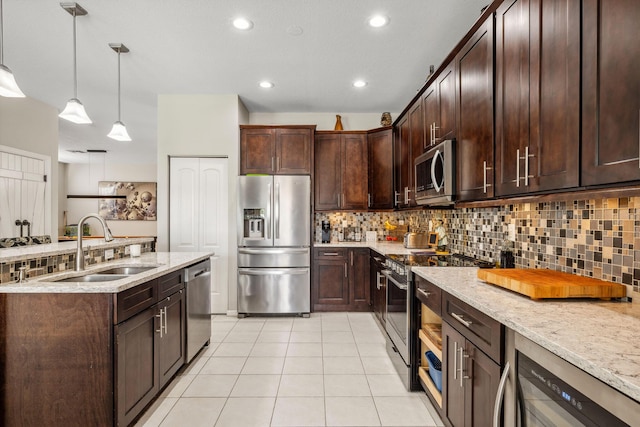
column 30, row 125
column 324, row 121
column 200, row 125
column 83, row 178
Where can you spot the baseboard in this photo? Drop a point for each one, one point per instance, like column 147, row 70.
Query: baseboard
column 232, row 313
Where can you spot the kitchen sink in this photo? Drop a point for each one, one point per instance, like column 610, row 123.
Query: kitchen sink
column 96, row 277
column 109, row 275
column 128, row 271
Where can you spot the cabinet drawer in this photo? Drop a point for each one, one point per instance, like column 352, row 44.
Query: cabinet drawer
column 330, row 253
column 429, row 294
column 170, row 284
column 136, row 299
column 484, row 332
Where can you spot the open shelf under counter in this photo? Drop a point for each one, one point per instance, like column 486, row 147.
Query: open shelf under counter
column 426, row 333
column 427, row 382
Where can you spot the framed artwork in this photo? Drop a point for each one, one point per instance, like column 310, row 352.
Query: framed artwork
column 127, row 201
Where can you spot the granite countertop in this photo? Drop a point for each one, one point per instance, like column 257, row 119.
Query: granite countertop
column 163, row 263
column 384, row 248
column 599, row 337
column 50, row 249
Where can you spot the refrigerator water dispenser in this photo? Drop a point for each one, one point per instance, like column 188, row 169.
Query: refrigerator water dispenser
column 254, row 223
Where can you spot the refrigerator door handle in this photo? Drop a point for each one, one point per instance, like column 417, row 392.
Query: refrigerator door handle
column 272, row 271
column 268, row 218
column 256, row 251
column 276, row 212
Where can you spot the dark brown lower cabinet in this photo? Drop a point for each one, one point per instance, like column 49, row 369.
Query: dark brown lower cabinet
column 89, row 359
column 150, row 349
column 341, row 279
column 470, row 383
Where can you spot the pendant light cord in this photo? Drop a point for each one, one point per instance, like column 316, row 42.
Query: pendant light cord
column 119, row 85
column 75, row 63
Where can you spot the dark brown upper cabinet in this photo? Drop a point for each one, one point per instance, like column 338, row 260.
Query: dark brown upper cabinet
column 439, row 107
column 402, row 159
column 340, row 170
column 474, row 143
column 380, row 148
column 610, row 92
column 276, row 150
column 537, row 95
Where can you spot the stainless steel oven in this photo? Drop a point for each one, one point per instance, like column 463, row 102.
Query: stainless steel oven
column 541, row 389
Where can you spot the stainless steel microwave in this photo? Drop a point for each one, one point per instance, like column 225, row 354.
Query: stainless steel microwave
column 435, row 175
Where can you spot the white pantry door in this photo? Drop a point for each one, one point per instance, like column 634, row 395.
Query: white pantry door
column 198, row 219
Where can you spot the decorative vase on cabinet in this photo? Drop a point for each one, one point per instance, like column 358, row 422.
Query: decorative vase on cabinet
column 338, row 125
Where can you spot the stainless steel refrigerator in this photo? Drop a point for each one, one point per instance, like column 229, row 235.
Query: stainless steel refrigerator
column 274, row 252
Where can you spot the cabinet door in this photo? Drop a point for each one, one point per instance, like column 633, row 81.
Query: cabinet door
column 401, row 147
column 171, row 348
column 136, row 370
column 555, row 95
column 447, row 103
column 293, row 151
column 257, row 151
column 354, row 182
column 330, row 284
column 474, row 143
column 359, row 286
column 431, row 116
column 452, row 390
column 480, row 387
column 327, row 171
column 512, row 93
column 610, row 91
column 416, row 136
column 380, row 146
column 537, row 75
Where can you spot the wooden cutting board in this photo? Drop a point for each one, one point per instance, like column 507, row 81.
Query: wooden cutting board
column 538, row 284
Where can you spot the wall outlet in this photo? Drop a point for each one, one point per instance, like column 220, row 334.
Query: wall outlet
column 345, row 223
column 401, row 222
column 512, row 232
column 108, row 254
column 126, row 250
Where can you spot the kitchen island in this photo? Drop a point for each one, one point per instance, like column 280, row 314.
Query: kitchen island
column 78, row 353
column 599, row 337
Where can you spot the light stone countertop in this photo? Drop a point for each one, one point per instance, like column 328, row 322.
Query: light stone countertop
column 601, row 338
column 164, row 262
column 384, row 248
column 50, row 249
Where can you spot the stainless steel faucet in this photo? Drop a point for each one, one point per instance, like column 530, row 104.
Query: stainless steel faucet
column 107, row 238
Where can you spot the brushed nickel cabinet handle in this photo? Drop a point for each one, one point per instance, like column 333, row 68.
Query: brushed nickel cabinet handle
column 518, row 167
column 345, row 270
column 485, row 168
column 368, row 200
column 272, row 165
column 459, row 318
column 330, row 254
column 455, row 360
column 526, row 166
column 396, row 198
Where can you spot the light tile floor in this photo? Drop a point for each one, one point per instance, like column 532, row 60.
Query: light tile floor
column 331, row 369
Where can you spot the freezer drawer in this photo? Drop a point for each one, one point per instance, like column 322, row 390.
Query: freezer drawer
column 274, row 257
column 274, row 291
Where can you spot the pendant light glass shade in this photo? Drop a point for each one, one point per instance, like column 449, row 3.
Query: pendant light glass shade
column 8, row 86
column 74, row 110
column 119, row 131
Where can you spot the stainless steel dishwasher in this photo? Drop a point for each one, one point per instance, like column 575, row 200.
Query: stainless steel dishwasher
column 198, row 288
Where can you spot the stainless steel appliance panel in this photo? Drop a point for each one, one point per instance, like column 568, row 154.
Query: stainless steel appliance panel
column 274, row 290
column 198, row 322
column 434, row 173
column 291, row 210
column 255, row 211
column 397, row 324
column 274, row 257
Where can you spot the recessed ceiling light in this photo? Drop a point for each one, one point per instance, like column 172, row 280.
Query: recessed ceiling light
column 242, row 24
column 359, row 83
column 378, row 21
column 265, row 84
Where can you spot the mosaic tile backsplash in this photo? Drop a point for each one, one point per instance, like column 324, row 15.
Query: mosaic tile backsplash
column 596, row 238
column 9, row 271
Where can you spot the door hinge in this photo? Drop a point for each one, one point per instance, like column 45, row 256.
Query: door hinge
column 44, row 178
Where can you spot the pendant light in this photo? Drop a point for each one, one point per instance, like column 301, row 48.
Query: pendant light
column 74, row 111
column 8, row 86
column 119, row 131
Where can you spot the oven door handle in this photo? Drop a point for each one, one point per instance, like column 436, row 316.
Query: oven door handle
column 500, row 395
column 390, row 278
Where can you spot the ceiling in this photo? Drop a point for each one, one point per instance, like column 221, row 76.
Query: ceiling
column 312, row 50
